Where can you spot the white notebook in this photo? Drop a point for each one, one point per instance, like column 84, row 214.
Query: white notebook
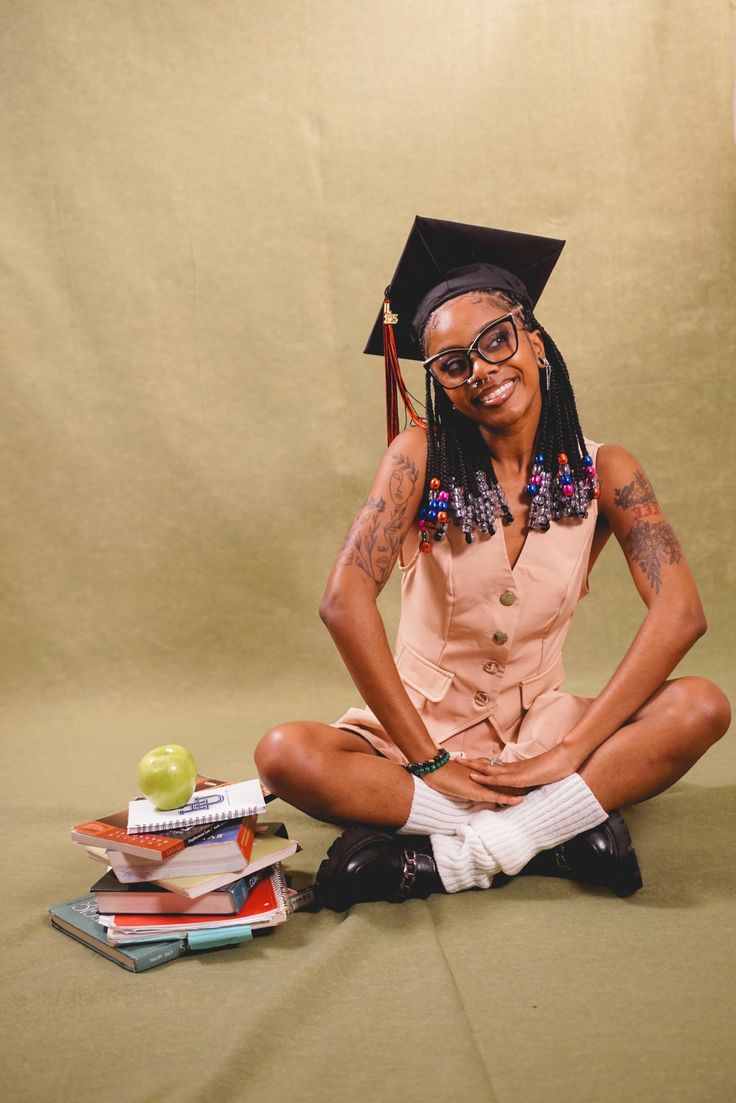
column 226, row 802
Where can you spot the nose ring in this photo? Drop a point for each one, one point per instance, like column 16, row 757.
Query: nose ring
column 477, row 382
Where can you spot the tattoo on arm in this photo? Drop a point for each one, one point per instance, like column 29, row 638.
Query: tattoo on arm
column 651, row 546
column 403, row 479
column 638, row 496
column 374, row 537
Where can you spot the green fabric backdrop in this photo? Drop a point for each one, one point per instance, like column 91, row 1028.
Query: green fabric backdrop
column 201, row 204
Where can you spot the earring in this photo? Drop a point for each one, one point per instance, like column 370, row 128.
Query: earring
column 544, row 363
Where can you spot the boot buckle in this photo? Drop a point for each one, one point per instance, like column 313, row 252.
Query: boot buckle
column 408, row 875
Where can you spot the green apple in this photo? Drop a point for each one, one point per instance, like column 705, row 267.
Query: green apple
column 167, row 776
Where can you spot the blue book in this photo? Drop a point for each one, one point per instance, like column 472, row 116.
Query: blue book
column 78, row 919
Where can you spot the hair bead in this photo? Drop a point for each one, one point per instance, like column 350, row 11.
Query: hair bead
column 461, row 481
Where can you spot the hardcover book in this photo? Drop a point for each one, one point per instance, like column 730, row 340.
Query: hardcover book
column 267, row 850
column 79, row 919
column 113, row 897
column 112, row 832
column 267, row 905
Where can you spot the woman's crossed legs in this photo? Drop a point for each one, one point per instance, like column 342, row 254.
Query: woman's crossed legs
column 335, row 775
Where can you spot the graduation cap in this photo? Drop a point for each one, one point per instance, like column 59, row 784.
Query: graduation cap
column 441, row 260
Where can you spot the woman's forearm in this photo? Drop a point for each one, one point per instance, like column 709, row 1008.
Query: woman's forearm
column 664, row 637
column 359, row 635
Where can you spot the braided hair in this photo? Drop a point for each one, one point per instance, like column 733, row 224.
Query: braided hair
column 460, row 468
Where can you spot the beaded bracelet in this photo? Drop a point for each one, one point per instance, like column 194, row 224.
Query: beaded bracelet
column 429, row 765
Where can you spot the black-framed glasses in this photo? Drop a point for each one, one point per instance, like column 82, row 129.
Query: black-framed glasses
column 496, row 342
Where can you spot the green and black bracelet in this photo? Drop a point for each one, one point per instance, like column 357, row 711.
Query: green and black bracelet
column 428, row 766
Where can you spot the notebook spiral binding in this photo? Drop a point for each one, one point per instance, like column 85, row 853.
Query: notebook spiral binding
column 281, row 892
column 191, row 820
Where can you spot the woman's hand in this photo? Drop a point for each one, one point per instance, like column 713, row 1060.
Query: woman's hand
column 552, row 765
column 455, row 780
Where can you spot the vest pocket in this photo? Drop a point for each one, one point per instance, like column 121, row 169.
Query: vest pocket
column 552, row 678
column 422, row 675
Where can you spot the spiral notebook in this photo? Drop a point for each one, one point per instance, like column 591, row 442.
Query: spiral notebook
column 226, row 802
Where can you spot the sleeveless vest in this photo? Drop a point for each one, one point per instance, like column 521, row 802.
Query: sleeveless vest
column 478, row 640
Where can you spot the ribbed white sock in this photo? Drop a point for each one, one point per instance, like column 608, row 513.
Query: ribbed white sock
column 489, row 841
column 433, row 813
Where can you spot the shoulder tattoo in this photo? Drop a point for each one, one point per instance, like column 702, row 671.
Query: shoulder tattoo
column 653, row 545
column 637, row 496
column 373, row 540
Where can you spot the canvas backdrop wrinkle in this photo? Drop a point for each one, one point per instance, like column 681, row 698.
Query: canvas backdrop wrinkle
column 200, row 207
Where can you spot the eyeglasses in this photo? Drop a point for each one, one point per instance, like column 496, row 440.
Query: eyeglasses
column 496, row 342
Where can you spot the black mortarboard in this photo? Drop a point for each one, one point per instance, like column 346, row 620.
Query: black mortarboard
column 441, row 260
column 425, row 276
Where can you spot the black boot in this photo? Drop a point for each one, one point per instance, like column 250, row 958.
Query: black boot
column 604, row 856
column 367, row 863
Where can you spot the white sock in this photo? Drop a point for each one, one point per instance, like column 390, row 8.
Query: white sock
column 433, row 813
column 490, row 841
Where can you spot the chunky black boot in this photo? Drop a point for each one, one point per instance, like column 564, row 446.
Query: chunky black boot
column 604, row 856
column 367, row 863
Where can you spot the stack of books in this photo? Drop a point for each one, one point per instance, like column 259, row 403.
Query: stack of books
column 205, row 875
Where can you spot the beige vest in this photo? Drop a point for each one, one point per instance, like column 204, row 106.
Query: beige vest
column 478, row 640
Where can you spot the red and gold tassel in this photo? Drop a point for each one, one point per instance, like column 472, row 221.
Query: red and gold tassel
column 395, row 384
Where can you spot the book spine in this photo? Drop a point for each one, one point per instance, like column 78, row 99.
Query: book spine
column 241, row 890
column 144, row 843
column 204, row 832
column 245, row 832
column 159, row 953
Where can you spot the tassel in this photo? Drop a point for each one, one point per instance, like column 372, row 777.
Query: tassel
column 395, row 384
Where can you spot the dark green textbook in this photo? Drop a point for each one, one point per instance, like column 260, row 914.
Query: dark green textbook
column 78, row 918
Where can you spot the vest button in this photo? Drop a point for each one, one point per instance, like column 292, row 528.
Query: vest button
column 491, row 666
column 500, row 637
column 481, row 697
column 507, row 598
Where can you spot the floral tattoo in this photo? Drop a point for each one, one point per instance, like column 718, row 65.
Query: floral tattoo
column 650, row 544
column 375, row 536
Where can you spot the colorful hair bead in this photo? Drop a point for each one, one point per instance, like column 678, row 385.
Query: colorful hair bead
column 433, row 515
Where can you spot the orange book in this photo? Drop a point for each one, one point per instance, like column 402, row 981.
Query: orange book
column 112, row 833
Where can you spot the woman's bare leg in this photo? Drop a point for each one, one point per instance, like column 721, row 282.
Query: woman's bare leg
column 333, row 775
column 661, row 742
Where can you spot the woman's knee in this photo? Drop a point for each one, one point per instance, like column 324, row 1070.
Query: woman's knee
column 705, row 706
column 281, row 752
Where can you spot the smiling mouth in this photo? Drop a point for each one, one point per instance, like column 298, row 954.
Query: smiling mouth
column 494, row 396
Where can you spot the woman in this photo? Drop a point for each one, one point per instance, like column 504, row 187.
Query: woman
column 470, row 763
